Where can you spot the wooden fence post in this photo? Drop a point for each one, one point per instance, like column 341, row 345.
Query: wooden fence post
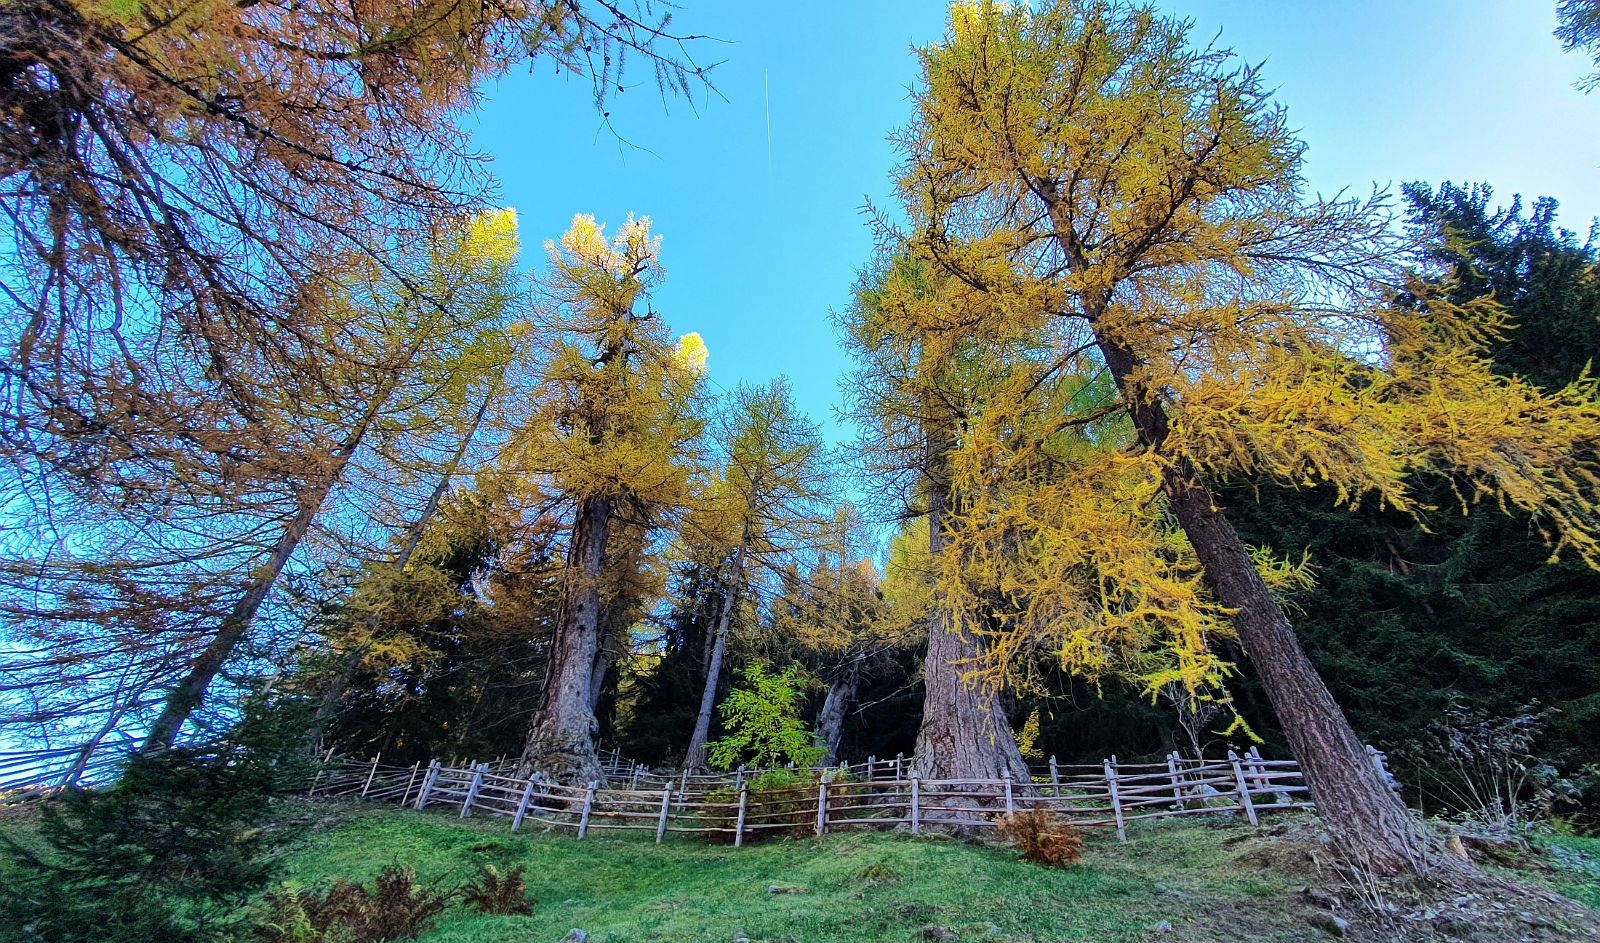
column 367, row 786
column 822, row 804
column 588, row 807
column 411, row 780
column 1257, row 768
column 427, row 784
column 1110, row 767
column 472, row 788
column 1055, row 775
column 738, row 828
column 321, row 768
column 899, row 765
column 872, row 765
column 1010, row 807
column 522, row 804
column 1177, row 784
column 1244, row 788
column 666, row 806
column 916, row 812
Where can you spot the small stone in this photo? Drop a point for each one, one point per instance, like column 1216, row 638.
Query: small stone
column 575, row 936
column 944, row 934
column 1334, row 926
column 1162, row 926
column 775, row 889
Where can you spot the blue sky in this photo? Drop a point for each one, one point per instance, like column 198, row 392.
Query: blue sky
column 761, row 242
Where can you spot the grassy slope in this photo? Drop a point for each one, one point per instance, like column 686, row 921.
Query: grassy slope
column 862, row 886
column 1212, row 880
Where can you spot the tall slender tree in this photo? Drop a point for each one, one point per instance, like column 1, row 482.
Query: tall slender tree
column 760, row 509
column 413, row 343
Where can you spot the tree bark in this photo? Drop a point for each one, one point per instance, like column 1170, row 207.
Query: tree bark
column 695, row 757
column 842, row 692
column 560, row 744
column 964, row 733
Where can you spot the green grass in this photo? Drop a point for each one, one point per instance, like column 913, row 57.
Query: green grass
column 861, row 886
column 1576, row 863
column 1213, row 879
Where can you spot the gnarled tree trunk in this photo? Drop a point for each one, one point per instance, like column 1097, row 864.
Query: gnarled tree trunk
column 560, row 744
column 842, row 690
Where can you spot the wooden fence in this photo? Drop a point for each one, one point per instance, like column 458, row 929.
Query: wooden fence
column 874, row 794
column 34, row 774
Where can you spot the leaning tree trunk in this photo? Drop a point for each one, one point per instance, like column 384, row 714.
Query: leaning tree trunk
column 842, row 692
column 334, row 695
column 1368, row 820
column 695, row 758
column 560, row 744
column 183, row 699
column 964, row 733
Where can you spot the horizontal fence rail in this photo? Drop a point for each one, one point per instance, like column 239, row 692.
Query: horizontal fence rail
column 874, row 794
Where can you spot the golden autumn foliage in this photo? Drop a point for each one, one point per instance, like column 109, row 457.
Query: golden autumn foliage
column 617, row 409
column 1086, row 188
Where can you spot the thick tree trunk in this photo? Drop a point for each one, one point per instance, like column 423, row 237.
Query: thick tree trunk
column 964, row 733
column 560, row 743
column 1369, row 822
column 695, row 758
column 842, row 692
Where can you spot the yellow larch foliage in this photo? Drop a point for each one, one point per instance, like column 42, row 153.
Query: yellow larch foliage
column 1084, row 185
column 616, row 417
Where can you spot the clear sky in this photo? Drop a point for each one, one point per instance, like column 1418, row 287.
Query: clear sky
column 763, row 232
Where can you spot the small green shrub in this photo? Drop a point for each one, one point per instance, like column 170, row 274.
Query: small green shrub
column 396, row 907
column 763, row 723
column 496, row 893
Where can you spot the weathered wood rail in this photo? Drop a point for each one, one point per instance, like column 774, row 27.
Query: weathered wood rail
column 874, row 794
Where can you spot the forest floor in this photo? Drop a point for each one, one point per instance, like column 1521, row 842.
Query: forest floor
column 1211, row 880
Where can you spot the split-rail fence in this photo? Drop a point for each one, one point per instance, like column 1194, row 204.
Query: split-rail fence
column 879, row 793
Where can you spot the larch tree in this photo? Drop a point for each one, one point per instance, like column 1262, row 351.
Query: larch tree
column 759, row 510
column 410, row 341
column 614, row 432
column 182, row 182
column 921, row 373
column 1151, row 192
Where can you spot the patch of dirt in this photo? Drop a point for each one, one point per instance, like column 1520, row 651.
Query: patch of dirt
column 1332, row 905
